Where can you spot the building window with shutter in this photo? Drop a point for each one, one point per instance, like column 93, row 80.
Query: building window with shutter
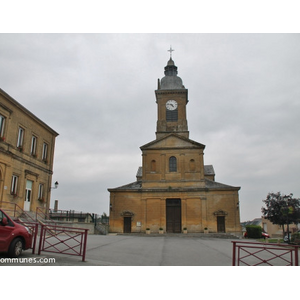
column 14, row 185
column 41, row 192
column 33, row 145
column 20, row 138
column 45, row 152
column 2, row 124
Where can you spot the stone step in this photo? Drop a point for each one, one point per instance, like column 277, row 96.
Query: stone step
column 199, row 235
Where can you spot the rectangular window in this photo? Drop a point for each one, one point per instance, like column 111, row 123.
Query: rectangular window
column 41, row 191
column 45, row 152
column 172, row 115
column 172, row 164
column 20, row 137
column 33, row 145
column 14, row 185
column 2, row 124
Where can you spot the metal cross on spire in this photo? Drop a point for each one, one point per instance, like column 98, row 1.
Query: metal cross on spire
column 171, row 50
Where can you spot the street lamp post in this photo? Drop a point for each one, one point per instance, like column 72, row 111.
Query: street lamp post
column 55, row 185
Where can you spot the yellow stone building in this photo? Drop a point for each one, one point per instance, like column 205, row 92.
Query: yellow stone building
column 26, row 157
column 174, row 190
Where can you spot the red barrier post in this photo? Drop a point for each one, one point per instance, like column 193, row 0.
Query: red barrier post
column 84, row 244
column 233, row 253
column 296, row 256
column 41, row 239
column 36, row 228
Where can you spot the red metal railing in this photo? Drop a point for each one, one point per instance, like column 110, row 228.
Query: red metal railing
column 41, row 216
column 55, row 239
column 34, row 227
column 63, row 240
column 255, row 254
column 15, row 211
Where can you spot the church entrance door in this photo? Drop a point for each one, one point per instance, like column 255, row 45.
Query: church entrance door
column 173, row 215
column 127, row 224
column 221, row 223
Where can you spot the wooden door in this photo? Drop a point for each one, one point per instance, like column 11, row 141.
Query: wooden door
column 173, row 215
column 127, row 224
column 221, row 223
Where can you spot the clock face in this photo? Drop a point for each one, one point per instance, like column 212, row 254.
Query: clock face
column 171, row 105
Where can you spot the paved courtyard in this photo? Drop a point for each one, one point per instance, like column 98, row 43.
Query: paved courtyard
column 131, row 250
column 154, row 250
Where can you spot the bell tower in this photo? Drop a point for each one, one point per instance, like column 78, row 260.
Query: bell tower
column 171, row 99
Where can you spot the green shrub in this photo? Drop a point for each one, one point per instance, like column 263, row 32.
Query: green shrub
column 295, row 238
column 253, row 231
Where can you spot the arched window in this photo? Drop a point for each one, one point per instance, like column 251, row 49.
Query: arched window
column 172, row 164
column 153, row 166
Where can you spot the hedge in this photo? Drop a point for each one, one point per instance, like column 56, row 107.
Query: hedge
column 253, row 231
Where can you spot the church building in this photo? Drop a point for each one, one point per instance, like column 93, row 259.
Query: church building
column 174, row 190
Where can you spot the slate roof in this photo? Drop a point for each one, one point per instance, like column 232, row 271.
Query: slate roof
column 171, row 81
column 256, row 221
column 139, row 172
column 209, row 170
column 217, row 185
column 209, row 184
column 189, row 141
column 130, row 186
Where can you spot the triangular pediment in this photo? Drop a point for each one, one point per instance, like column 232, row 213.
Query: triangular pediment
column 172, row 141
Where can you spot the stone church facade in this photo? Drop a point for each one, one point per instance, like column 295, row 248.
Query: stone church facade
column 174, row 190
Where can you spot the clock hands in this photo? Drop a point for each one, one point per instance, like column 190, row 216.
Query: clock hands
column 171, row 105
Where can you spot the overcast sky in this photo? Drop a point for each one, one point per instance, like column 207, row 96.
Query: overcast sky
column 97, row 92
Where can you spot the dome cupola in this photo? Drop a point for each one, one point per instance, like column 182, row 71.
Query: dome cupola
column 171, row 81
